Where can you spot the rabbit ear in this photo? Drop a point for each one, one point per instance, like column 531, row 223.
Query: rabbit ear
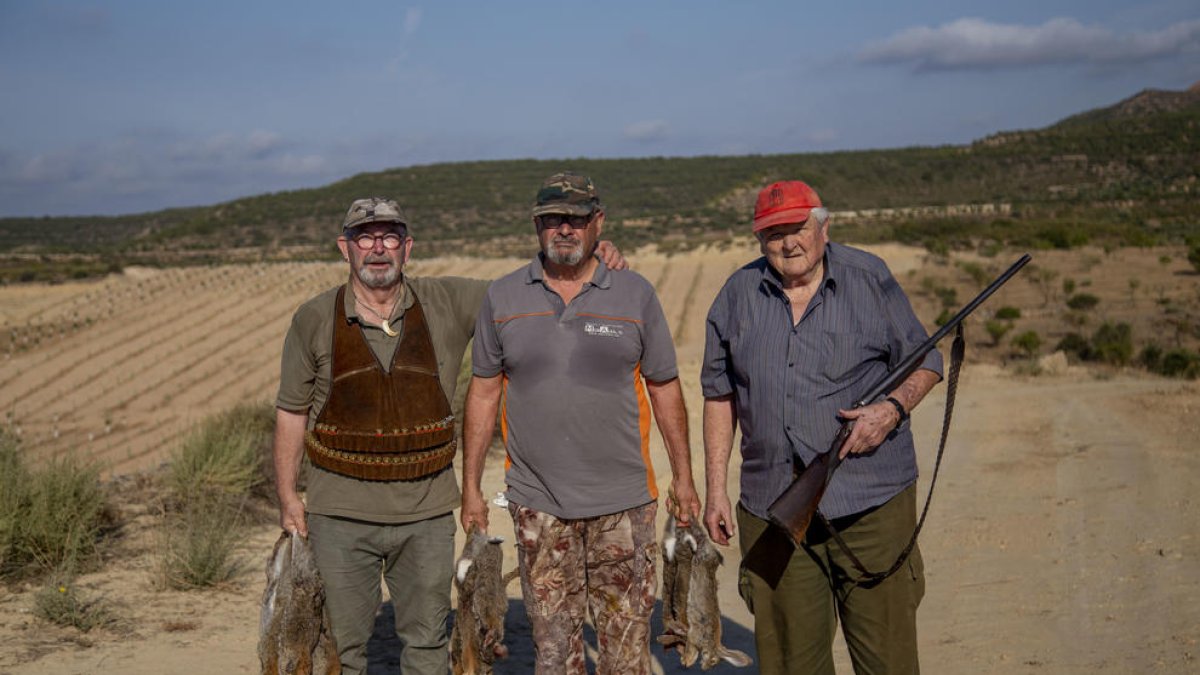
column 736, row 658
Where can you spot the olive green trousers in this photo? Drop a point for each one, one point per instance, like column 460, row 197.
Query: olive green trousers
column 798, row 595
column 415, row 560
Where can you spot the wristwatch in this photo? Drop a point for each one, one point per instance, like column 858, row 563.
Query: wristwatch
column 900, row 409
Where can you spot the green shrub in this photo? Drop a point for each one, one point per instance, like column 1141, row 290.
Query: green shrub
column 1175, row 363
column 1008, row 313
column 1151, row 357
column 997, row 330
column 1028, row 342
column 1113, row 343
column 1181, row 363
column 224, row 454
column 61, row 603
column 1083, row 301
column 1068, row 286
column 1193, row 256
column 198, row 542
column 977, row 272
column 948, row 296
column 52, row 517
column 14, row 482
column 1077, row 345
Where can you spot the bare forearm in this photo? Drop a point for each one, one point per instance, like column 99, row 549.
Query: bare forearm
column 720, row 422
column 479, row 423
column 669, row 409
column 288, row 450
column 913, row 389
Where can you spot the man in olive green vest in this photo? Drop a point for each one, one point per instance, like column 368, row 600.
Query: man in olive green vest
column 368, row 372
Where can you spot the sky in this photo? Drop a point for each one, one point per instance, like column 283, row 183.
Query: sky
column 122, row 107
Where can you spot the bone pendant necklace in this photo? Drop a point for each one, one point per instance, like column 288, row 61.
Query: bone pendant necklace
column 383, row 320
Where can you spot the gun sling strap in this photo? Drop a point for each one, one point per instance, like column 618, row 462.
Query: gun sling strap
column 869, row 578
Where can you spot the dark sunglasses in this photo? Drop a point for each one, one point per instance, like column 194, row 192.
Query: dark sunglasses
column 555, row 220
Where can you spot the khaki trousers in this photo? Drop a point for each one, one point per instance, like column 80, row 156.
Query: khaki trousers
column 798, row 596
column 416, row 561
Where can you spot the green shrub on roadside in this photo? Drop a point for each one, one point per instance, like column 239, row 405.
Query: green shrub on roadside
column 997, row 330
column 1174, row 363
column 1076, row 345
column 52, row 517
column 1113, row 343
column 60, row 602
column 1008, row 313
column 213, row 476
column 222, row 454
column 14, row 480
column 199, row 542
column 1193, row 256
column 1082, row 301
column 1028, row 342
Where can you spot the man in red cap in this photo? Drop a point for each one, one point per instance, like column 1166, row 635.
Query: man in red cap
column 793, row 339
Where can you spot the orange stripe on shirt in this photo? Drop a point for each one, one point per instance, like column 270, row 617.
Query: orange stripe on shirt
column 644, row 428
column 521, row 316
column 504, row 420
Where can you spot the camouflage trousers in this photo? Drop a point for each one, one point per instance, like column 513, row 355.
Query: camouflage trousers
column 604, row 565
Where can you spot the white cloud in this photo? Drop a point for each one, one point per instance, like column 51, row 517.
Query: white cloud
column 646, row 131
column 973, row 43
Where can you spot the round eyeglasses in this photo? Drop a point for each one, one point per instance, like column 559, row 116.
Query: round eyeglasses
column 366, row 242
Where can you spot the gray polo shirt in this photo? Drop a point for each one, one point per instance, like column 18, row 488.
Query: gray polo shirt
column 575, row 416
column 789, row 380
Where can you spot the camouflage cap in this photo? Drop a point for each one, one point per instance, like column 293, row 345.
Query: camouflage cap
column 373, row 210
column 568, row 193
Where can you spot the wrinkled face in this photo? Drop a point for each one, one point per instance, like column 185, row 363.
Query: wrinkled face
column 569, row 240
column 795, row 250
column 376, row 266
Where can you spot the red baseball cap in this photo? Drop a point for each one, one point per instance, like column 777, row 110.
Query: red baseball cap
column 786, row 201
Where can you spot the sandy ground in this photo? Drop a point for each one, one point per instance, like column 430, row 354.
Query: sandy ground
column 1061, row 539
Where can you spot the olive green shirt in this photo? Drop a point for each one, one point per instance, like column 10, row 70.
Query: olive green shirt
column 451, row 305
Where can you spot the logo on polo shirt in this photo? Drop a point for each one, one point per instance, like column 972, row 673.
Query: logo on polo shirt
column 603, row 329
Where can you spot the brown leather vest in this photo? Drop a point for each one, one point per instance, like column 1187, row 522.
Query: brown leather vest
column 383, row 425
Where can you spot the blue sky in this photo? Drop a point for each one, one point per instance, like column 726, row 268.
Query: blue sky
column 122, row 107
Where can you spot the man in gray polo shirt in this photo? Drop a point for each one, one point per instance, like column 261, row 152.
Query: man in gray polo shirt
column 575, row 348
column 368, row 373
column 793, row 339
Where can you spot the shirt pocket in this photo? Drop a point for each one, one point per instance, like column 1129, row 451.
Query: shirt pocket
column 844, row 353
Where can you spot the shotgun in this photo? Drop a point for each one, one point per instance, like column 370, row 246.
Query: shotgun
column 794, row 509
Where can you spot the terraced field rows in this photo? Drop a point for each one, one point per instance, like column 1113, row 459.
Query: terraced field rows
column 117, row 370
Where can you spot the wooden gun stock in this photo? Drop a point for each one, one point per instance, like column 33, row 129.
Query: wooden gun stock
column 794, row 509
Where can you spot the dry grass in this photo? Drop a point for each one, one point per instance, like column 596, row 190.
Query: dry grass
column 50, row 518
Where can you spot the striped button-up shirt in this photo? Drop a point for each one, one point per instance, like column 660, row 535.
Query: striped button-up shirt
column 789, row 380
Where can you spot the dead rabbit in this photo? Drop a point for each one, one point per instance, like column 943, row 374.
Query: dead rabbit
column 477, row 640
column 294, row 634
column 691, row 614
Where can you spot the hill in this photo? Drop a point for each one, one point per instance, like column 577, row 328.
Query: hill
column 1121, row 175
